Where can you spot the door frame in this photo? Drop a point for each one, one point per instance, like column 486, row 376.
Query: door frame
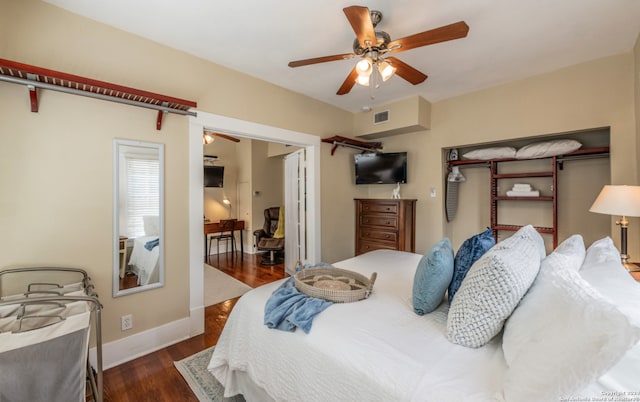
column 250, row 130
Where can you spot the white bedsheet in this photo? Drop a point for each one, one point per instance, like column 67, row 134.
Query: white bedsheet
column 375, row 350
column 145, row 262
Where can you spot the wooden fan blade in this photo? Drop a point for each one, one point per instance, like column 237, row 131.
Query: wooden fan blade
column 360, row 21
column 348, row 83
column 448, row 32
column 225, row 136
column 316, row 60
column 406, row 71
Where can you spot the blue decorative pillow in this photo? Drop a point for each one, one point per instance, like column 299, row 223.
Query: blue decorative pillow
column 471, row 250
column 432, row 277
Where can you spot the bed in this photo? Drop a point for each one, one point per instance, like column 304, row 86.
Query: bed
column 144, row 262
column 378, row 349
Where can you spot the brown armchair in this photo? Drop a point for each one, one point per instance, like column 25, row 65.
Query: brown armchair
column 265, row 240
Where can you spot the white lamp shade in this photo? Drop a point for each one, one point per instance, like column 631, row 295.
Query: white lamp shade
column 386, row 70
column 363, row 67
column 363, row 80
column 618, row 200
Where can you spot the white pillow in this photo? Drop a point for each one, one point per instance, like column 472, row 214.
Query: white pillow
column 576, row 335
column 547, row 148
column 569, row 255
column 491, row 153
column 151, row 225
column 603, row 270
column 493, row 287
column 602, row 251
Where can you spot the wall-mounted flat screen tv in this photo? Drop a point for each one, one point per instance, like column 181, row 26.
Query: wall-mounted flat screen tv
column 381, row 168
column 213, row 176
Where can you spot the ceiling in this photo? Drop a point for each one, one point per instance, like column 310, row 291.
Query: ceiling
column 508, row 40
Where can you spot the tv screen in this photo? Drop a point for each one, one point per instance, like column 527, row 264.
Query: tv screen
column 382, row 168
column 213, row 176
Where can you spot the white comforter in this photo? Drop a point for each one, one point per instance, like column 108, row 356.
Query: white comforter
column 372, row 350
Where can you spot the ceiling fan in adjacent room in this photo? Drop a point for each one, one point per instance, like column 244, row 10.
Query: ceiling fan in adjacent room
column 209, row 136
column 373, row 46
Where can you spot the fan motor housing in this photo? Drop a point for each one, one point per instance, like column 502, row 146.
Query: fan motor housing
column 382, row 40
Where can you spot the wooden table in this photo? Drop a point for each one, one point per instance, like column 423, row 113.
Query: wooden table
column 214, row 227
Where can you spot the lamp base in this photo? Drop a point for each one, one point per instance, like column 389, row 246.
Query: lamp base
column 631, row 267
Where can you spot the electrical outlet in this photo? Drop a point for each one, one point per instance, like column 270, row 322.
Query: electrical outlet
column 126, row 322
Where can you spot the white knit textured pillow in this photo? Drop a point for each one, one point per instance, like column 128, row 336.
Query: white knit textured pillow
column 493, row 287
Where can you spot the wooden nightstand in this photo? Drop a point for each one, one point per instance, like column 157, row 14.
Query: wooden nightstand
column 635, row 274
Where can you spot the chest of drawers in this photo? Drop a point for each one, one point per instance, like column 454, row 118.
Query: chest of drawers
column 385, row 224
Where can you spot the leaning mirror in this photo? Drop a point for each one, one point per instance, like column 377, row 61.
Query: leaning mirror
column 138, row 211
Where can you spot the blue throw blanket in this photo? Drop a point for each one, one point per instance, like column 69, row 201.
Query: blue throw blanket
column 151, row 244
column 288, row 309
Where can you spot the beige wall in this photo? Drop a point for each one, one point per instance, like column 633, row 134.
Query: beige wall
column 56, row 165
column 594, row 94
column 267, row 182
column 214, row 208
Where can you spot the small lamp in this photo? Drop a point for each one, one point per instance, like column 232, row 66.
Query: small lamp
column 226, row 202
column 623, row 201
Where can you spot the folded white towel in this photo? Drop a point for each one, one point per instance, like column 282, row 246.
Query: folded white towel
column 533, row 193
column 521, row 187
column 519, row 190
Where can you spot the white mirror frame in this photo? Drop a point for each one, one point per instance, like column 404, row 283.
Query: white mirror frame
column 117, row 144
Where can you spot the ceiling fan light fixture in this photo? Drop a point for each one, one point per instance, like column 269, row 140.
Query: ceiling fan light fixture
column 386, row 70
column 364, row 67
column 363, row 80
column 207, row 138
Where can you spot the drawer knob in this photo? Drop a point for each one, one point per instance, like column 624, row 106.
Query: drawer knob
column 388, row 223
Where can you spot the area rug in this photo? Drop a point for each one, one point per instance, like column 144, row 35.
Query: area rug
column 203, row 384
column 219, row 286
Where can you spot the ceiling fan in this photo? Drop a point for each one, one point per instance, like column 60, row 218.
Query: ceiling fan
column 209, row 136
column 372, row 47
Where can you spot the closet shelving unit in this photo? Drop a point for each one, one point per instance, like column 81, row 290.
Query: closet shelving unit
column 557, row 163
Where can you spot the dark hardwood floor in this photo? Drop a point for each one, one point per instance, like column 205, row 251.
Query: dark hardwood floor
column 154, row 377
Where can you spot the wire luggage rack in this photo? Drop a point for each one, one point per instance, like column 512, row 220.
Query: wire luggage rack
column 45, row 313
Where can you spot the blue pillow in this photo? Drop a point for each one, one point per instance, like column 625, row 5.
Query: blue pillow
column 432, row 277
column 471, row 250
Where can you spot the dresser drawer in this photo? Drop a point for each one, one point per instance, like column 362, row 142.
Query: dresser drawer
column 374, row 235
column 380, row 207
column 389, row 222
column 366, row 246
column 385, row 224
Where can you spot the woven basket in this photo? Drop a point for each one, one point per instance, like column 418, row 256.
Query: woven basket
column 334, row 284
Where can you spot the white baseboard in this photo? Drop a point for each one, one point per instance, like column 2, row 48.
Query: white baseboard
column 145, row 342
column 197, row 320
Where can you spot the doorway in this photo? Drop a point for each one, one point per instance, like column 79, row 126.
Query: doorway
column 250, row 130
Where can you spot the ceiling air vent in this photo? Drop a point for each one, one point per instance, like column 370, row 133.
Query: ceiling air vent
column 381, row 117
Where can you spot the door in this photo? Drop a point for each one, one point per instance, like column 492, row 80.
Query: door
column 295, row 214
